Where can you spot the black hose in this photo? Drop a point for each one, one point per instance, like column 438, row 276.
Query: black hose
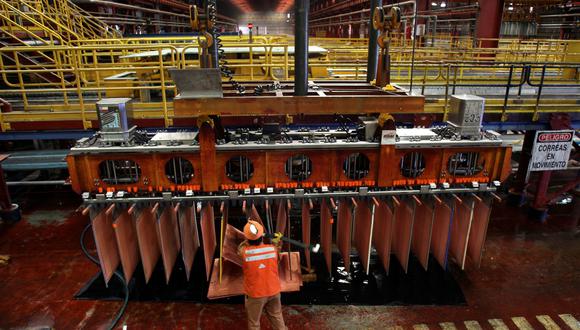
column 117, row 273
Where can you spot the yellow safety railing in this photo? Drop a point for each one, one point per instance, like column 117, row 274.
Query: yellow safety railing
column 81, row 74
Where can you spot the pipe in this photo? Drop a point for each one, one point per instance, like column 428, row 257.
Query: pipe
column 125, row 6
column 373, row 56
column 36, row 183
column 301, row 48
column 149, row 10
column 435, row 11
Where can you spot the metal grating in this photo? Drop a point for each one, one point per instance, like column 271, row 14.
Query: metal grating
column 412, row 165
column 356, row 166
column 298, row 167
column 465, row 164
column 119, row 171
column 179, row 170
column 239, row 169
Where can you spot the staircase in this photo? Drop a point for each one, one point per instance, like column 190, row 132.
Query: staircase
column 50, row 22
column 26, row 24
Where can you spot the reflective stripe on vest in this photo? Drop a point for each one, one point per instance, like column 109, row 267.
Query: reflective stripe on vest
column 260, row 250
column 261, row 257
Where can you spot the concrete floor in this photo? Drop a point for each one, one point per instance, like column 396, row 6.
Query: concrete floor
column 529, row 270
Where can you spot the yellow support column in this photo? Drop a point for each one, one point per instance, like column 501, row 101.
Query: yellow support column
column 572, row 56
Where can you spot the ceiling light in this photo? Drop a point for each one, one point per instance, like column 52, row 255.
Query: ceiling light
column 443, row 4
column 434, row 4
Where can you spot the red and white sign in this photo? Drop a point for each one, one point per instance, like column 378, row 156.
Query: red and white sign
column 551, row 150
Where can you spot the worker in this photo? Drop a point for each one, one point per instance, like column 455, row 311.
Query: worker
column 261, row 281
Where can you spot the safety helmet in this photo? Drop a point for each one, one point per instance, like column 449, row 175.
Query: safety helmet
column 253, row 230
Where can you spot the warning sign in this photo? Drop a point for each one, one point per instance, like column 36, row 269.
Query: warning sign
column 551, row 150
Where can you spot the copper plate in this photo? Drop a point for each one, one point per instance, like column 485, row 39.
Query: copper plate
column 189, row 237
column 344, row 231
column 363, row 223
column 126, row 235
column 232, row 283
column 252, row 212
column 402, row 232
column 326, row 233
column 306, row 223
column 282, row 217
column 422, row 228
column 460, row 228
column 208, row 236
column 232, row 239
column 383, row 233
column 481, row 213
column 106, row 243
column 166, row 225
column 148, row 241
column 440, row 235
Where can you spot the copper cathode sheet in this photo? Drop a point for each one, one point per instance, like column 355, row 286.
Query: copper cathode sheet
column 344, row 231
column 252, row 213
column 306, row 223
column 148, row 241
column 383, row 233
column 189, row 237
column 126, row 235
column 208, row 236
column 232, row 283
column 232, row 239
column 166, row 226
column 281, row 217
column 422, row 229
column 460, row 228
column 290, row 273
column 362, row 234
column 402, row 231
column 481, row 214
column 106, row 243
column 440, row 236
column 326, row 233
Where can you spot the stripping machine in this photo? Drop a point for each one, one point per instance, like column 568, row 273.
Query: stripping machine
column 391, row 190
column 328, row 150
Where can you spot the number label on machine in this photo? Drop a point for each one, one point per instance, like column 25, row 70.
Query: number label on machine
column 551, row 150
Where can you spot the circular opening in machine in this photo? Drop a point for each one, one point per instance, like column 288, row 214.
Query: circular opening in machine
column 239, row 169
column 119, row 171
column 179, row 170
column 465, row 164
column 356, row 166
column 298, row 167
column 412, row 165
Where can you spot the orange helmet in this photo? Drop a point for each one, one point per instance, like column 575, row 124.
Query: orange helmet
column 253, row 230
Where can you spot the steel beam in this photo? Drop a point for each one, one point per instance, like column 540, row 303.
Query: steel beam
column 301, row 47
column 373, row 55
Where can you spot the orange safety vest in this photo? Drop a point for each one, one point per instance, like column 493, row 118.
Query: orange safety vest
column 260, row 265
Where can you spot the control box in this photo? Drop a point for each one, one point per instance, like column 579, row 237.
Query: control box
column 466, row 114
column 114, row 119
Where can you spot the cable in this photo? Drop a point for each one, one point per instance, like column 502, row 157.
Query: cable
column 117, row 273
column 222, row 59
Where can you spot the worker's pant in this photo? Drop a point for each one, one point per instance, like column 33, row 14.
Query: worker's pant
column 273, row 307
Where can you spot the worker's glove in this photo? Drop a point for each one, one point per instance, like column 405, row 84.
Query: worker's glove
column 277, row 238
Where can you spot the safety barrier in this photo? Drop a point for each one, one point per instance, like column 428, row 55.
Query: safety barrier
column 68, row 87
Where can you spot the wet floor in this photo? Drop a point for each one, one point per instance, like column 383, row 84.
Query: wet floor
column 528, row 269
